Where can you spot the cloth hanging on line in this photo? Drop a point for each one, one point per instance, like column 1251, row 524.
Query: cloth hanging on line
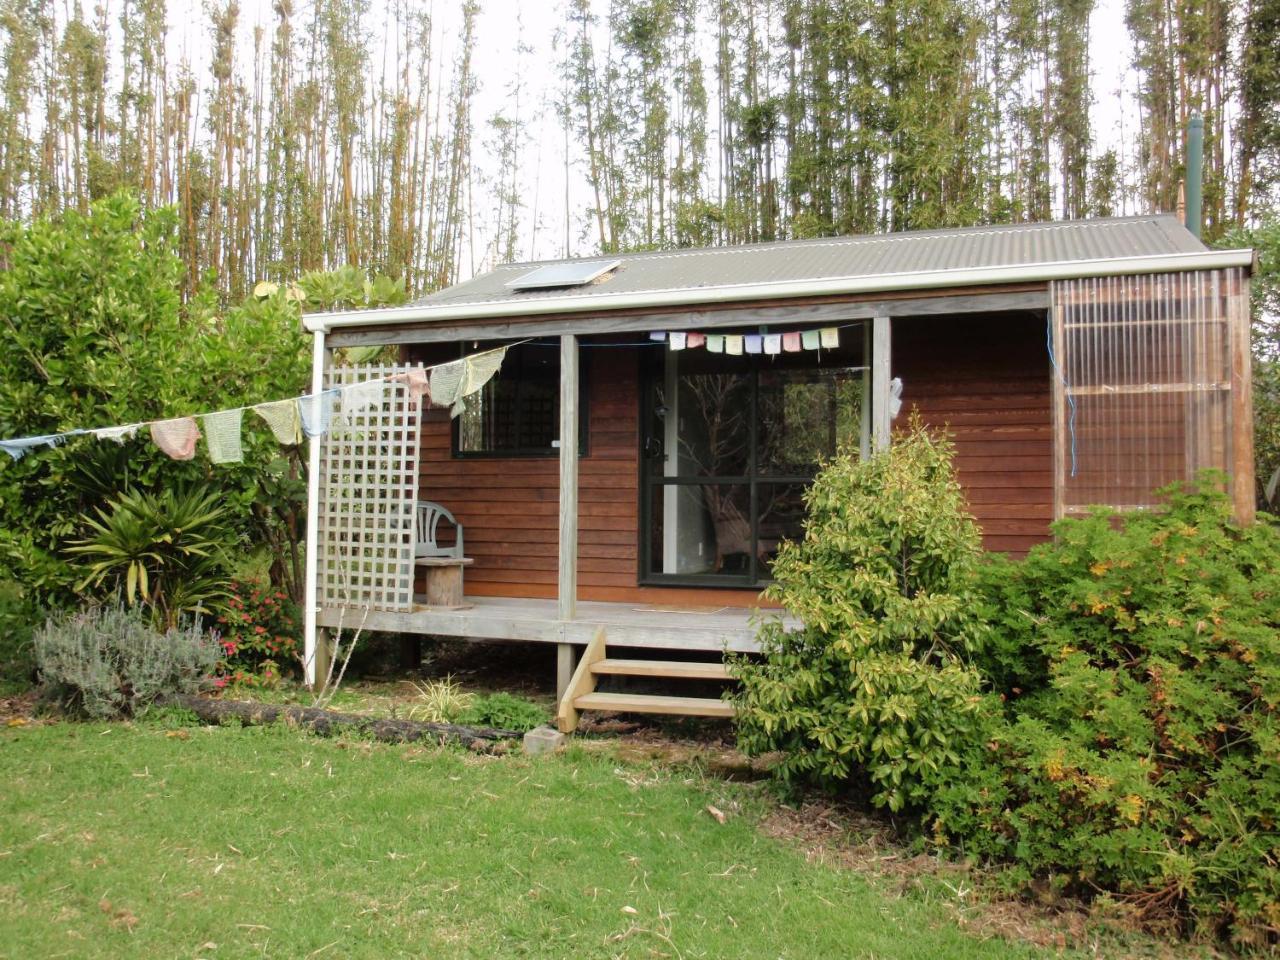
column 176, row 437
column 316, row 412
column 118, row 434
column 696, row 340
column 480, row 370
column 895, row 397
column 658, row 335
column 715, row 343
column 446, row 385
column 23, row 445
column 809, row 339
column 222, row 435
column 359, row 397
column 416, row 380
column 791, row 341
column 282, row 417
column 733, row 344
column 772, row 343
column 830, row 337
column 753, row 342
column 678, row 341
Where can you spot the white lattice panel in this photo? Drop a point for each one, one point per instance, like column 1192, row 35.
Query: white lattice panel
column 368, row 491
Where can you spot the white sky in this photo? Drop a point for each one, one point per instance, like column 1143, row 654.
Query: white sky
column 505, row 24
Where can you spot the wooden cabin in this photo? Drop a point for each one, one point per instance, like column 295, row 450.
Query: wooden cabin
column 617, row 491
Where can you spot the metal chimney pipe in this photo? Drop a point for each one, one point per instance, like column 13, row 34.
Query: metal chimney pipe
column 1195, row 173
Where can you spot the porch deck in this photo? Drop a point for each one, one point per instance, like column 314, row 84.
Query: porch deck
column 711, row 629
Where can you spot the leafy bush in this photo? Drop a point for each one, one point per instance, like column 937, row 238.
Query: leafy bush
column 111, row 661
column 17, row 621
column 168, row 551
column 874, row 689
column 503, row 711
column 1140, row 664
column 259, row 629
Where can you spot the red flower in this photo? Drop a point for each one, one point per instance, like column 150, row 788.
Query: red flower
column 259, row 630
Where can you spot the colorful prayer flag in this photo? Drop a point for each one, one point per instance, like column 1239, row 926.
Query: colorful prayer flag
column 696, row 340
column 658, row 335
column 830, row 338
column 678, row 341
column 772, row 343
column 20, row 447
column 282, row 417
column 177, row 437
column 222, row 435
column 316, row 411
column 733, row 344
column 753, row 342
column 359, row 397
column 809, row 339
column 715, row 343
column 791, row 341
column 118, row 434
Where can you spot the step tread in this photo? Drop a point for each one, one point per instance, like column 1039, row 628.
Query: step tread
column 643, row 703
column 662, row 668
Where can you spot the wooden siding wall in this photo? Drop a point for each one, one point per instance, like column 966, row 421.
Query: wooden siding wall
column 986, row 378
column 510, row 506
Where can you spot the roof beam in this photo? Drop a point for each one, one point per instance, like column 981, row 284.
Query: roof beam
column 773, row 314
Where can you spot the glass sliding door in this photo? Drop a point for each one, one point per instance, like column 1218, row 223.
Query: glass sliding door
column 730, row 444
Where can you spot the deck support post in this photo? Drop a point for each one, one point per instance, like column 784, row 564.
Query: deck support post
column 567, row 578
column 311, row 592
column 881, row 421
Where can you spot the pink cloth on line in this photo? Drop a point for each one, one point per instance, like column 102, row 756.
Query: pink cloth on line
column 416, row 379
column 696, row 340
column 791, row 342
column 177, row 437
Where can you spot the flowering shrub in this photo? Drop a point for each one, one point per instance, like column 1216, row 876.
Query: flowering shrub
column 259, row 631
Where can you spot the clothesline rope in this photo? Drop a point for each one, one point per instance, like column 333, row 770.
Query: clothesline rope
column 16, row 447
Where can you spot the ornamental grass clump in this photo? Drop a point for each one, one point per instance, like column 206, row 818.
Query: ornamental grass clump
column 111, row 662
column 875, row 691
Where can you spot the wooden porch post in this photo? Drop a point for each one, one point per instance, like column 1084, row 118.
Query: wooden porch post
column 1243, row 492
column 567, row 579
column 319, row 358
column 880, row 367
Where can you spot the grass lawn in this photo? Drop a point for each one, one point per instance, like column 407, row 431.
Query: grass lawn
column 151, row 841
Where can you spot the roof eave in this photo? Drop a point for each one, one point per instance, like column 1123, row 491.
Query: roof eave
column 822, row 286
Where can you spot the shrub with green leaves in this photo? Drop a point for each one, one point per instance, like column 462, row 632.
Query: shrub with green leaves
column 111, row 661
column 874, row 691
column 1139, row 661
column 504, row 712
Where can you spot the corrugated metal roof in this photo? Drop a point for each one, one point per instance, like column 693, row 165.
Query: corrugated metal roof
column 863, row 257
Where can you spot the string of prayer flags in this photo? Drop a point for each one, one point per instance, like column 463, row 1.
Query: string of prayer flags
column 715, row 343
column 772, row 343
column 118, row 434
column 222, row 435
column 809, row 339
column 736, row 344
column 316, row 411
column 20, row 447
column 754, row 343
column 733, row 344
column 282, row 417
column 829, row 338
column 177, row 438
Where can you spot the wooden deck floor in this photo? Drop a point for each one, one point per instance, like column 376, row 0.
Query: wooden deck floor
column 625, row 624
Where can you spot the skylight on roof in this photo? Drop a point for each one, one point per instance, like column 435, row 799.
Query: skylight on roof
column 572, row 274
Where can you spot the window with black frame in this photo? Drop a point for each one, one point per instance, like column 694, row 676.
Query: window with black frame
column 731, row 443
column 517, row 413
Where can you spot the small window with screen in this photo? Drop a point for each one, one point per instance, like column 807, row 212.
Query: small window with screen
column 517, row 413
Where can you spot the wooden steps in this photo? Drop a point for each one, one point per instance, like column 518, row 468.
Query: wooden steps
column 581, row 693
column 645, row 703
column 675, row 669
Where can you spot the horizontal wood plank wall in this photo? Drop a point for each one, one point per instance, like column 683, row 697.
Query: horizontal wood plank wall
column 987, row 379
column 509, row 506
